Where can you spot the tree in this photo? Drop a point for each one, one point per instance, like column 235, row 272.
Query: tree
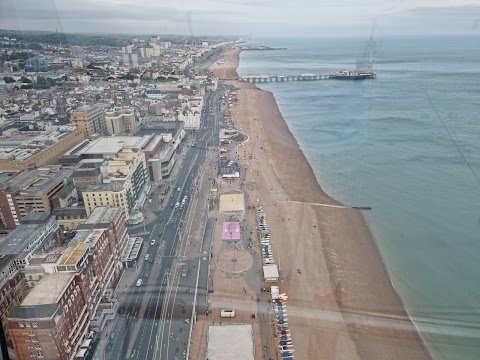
column 41, row 81
column 25, row 80
column 8, row 79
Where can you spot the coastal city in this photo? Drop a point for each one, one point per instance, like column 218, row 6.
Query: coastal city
column 238, row 197
column 129, row 228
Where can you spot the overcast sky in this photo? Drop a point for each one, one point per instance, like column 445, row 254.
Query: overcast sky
column 252, row 17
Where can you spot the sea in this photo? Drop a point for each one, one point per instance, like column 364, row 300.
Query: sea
column 406, row 144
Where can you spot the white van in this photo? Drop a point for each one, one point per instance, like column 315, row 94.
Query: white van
column 227, row 313
column 139, row 282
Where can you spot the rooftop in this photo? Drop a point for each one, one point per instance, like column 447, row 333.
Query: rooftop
column 18, row 240
column 102, row 215
column 110, row 145
column 48, row 290
column 33, row 312
column 37, row 181
column 73, row 254
column 21, row 146
column 111, row 186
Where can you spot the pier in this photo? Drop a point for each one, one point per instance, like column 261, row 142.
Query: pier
column 342, row 75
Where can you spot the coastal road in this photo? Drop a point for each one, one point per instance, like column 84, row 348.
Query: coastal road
column 155, row 319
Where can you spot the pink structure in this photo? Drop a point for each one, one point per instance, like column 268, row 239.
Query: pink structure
column 231, row 231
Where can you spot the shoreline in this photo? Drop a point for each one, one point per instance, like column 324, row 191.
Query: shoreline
column 354, row 310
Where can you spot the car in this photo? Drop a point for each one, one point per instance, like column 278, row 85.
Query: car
column 121, row 310
column 147, row 274
column 152, row 242
column 149, row 201
column 109, row 346
column 161, row 219
column 178, row 189
column 147, row 257
column 151, row 261
column 139, row 282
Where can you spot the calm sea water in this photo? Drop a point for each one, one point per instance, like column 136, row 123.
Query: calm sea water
column 406, row 144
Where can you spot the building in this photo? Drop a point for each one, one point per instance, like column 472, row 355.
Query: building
column 67, row 196
column 125, row 178
column 75, row 295
column 30, row 191
column 130, row 60
column 175, row 128
column 231, row 232
column 168, row 159
column 39, row 63
column 110, row 147
column 190, row 118
column 90, row 119
column 39, row 231
column 33, row 117
column 69, row 218
column 155, row 169
column 22, row 150
column 120, row 122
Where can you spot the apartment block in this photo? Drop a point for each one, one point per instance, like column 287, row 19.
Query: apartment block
column 124, row 178
column 120, row 122
column 90, row 119
column 30, row 191
column 76, row 295
column 38, row 232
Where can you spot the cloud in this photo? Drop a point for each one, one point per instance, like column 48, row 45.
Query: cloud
column 264, row 17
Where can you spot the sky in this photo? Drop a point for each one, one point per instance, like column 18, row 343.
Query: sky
column 245, row 17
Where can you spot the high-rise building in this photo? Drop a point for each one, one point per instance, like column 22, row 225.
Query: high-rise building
column 76, row 295
column 130, row 60
column 61, row 106
column 90, row 119
column 120, row 122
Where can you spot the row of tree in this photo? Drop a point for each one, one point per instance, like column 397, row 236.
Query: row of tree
column 40, row 83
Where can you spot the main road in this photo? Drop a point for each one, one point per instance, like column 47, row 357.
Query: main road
column 155, row 318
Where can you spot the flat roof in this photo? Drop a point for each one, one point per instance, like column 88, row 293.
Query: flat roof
column 230, row 342
column 17, row 241
column 48, row 290
column 113, row 144
column 103, row 215
column 270, row 271
column 73, row 253
column 37, row 181
column 231, row 231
